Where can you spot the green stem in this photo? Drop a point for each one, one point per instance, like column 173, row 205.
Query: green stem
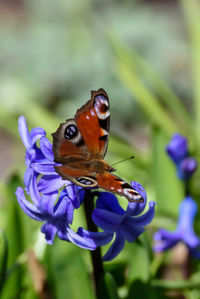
column 175, row 284
column 95, row 254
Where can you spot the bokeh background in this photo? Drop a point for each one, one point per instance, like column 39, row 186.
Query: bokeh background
column 146, row 55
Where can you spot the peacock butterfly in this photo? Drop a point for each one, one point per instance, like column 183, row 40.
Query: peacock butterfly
column 80, row 145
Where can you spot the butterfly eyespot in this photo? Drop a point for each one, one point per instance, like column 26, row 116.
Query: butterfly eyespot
column 70, row 132
column 101, row 106
column 104, row 108
column 84, row 181
column 87, row 181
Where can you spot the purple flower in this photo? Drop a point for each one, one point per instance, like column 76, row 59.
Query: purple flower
column 177, row 149
column 42, row 184
column 186, row 168
column 124, row 225
column 56, row 210
column 38, row 161
column 184, row 231
column 57, row 215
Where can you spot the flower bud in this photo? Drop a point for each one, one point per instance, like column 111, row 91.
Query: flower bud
column 186, row 168
column 177, row 148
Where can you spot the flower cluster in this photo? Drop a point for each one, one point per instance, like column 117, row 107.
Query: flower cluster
column 177, row 149
column 56, row 209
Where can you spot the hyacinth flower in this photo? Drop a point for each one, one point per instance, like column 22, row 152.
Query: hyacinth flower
column 124, row 225
column 56, row 209
column 43, row 190
column 184, row 232
column 177, row 150
column 39, row 160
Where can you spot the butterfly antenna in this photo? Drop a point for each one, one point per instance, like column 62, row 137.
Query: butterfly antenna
column 131, row 157
column 62, row 188
column 65, row 186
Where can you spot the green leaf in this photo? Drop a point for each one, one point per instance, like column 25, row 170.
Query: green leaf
column 117, row 270
column 145, row 98
column 138, row 261
column 191, row 11
column 14, row 232
column 141, row 67
column 67, row 273
column 124, row 150
column 169, row 189
column 46, row 120
column 175, row 284
column 139, row 289
column 3, row 258
column 107, row 287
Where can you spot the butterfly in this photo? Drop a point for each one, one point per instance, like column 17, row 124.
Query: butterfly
column 80, row 144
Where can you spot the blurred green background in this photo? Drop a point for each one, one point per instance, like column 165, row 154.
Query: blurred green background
column 146, row 55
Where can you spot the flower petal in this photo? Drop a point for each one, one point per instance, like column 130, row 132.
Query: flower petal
column 86, row 243
column 162, row 246
column 107, row 221
column 27, row 206
column 46, row 203
column 115, row 248
column 100, row 238
column 140, row 189
column 136, row 208
column 108, row 201
column 28, row 176
column 46, row 148
column 50, row 231
column 187, row 211
column 74, row 193
column 29, row 157
column 191, row 240
column 130, row 231
column 64, row 209
column 24, row 133
column 177, row 148
column 186, row 168
column 36, row 134
column 32, row 190
column 163, row 234
column 146, row 218
column 44, row 168
column 50, row 183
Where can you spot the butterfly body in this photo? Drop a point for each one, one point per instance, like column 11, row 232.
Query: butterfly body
column 80, row 145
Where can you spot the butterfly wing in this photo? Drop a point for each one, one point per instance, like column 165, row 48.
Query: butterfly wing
column 81, row 143
column 86, row 136
column 68, row 144
column 113, row 183
column 82, row 139
column 93, row 122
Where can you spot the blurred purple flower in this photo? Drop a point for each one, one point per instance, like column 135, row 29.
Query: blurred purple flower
column 184, row 231
column 186, row 168
column 177, row 149
column 125, row 225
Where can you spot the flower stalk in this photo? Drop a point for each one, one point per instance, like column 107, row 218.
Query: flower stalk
column 95, row 254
